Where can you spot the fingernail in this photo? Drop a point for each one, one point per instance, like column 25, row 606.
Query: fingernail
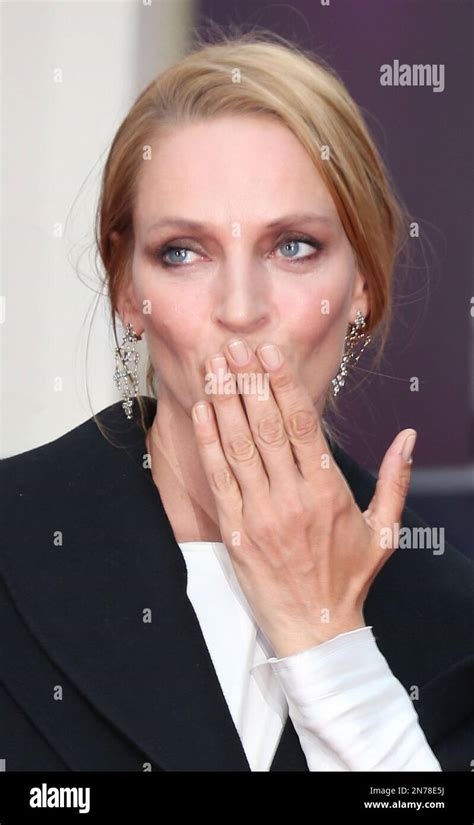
column 218, row 363
column 408, row 447
column 239, row 352
column 201, row 413
column 270, row 356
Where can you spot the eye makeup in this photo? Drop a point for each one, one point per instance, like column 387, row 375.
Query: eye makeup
column 159, row 254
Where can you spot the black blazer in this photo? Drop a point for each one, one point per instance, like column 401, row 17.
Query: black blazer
column 87, row 547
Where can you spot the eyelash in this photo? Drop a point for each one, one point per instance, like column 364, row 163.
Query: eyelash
column 160, row 253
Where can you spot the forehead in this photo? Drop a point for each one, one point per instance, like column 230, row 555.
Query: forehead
column 233, row 166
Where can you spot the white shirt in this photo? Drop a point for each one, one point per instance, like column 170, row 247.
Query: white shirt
column 349, row 710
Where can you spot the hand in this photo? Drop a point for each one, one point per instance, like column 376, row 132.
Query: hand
column 303, row 552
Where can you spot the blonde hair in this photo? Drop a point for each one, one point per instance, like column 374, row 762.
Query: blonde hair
column 261, row 73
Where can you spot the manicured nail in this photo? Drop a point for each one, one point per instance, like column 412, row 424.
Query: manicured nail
column 239, row 352
column 408, row 447
column 201, row 413
column 271, row 356
column 218, row 362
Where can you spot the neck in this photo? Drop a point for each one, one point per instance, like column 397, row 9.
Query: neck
column 179, row 475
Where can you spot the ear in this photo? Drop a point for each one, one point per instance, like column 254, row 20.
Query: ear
column 128, row 309
column 127, row 305
column 360, row 297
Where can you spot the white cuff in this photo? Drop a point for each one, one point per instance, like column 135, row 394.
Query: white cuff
column 345, row 701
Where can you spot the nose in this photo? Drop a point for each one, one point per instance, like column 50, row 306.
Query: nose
column 243, row 303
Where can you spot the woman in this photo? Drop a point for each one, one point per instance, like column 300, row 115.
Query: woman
column 210, row 582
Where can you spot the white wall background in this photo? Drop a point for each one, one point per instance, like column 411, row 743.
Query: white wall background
column 55, row 139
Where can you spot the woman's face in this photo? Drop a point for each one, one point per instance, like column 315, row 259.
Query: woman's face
column 258, row 252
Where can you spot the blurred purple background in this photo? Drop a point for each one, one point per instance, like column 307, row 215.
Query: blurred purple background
column 426, row 140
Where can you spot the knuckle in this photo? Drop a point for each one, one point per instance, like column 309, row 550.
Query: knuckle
column 241, row 448
column 400, row 485
column 336, row 503
column 207, row 438
column 284, row 381
column 294, row 511
column 270, row 431
column 302, row 425
column 221, row 398
column 222, row 480
column 264, row 532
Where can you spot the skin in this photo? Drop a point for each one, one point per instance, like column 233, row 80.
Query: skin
column 258, row 473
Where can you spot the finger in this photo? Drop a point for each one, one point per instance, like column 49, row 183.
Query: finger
column 300, row 417
column 219, row 475
column 235, row 435
column 394, row 480
column 264, row 416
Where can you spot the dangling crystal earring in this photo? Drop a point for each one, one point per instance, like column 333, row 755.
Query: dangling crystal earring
column 126, row 373
column 352, row 352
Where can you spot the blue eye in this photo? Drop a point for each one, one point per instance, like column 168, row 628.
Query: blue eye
column 176, row 255
column 292, row 247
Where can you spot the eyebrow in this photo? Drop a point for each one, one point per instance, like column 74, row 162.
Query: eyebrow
column 294, row 217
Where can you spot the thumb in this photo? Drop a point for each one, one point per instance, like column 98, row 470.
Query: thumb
column 393, row 480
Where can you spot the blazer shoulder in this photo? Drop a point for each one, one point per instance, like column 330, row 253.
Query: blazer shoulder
column 49, row 450
column 31, row 469
column 102, row 433
column 78, row 463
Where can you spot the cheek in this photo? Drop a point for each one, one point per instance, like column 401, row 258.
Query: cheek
column 170, row 316
column 169, row 310
column 318, row 311
column 317, row 316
